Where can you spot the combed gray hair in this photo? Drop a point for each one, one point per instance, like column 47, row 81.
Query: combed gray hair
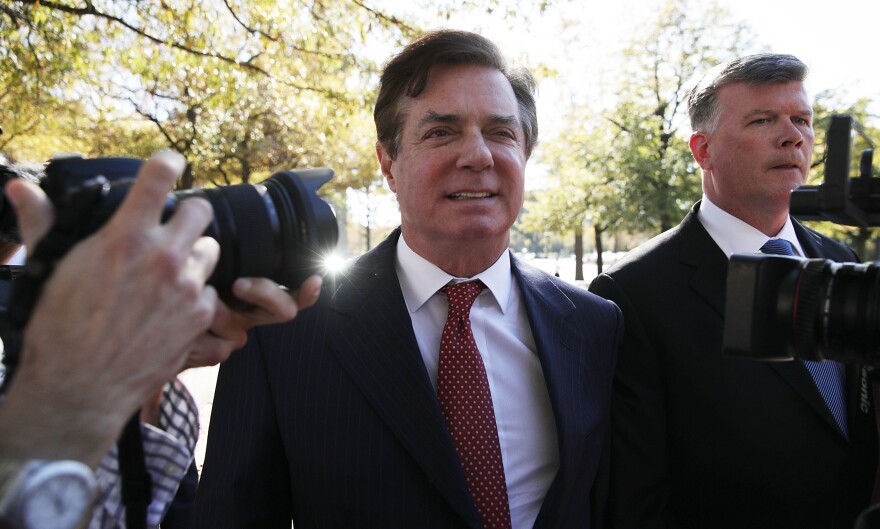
column 758, row 69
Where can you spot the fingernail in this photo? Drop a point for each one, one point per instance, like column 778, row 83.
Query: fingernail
column 244, row 284
column 317, row 290
column 171, row 158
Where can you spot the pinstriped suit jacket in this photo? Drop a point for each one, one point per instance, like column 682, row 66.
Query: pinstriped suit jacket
column 331, row 420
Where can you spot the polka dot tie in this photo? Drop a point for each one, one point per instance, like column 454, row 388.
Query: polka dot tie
column 466, row 403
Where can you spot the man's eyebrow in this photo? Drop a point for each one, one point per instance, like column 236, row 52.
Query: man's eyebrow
column 759, row 111
column 436, row 117
column 504, row 119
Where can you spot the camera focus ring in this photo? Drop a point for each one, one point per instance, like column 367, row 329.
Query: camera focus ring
column 806, row 309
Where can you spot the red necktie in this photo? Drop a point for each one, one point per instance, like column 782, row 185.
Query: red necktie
column 466, row 402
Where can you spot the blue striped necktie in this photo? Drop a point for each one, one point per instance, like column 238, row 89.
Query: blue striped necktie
column 828, row 375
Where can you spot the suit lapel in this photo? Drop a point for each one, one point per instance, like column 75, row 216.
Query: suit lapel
column 556, row 340
column 388, row 369
column 706, row 260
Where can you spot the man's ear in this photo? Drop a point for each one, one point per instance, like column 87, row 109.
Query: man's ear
column 386, row 163
column 699, row 144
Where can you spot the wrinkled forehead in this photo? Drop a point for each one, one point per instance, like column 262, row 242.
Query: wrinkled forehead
column 464, row 90
column 743, row 96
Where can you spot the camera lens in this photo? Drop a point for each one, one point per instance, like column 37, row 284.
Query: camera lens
column 834, row 311
column 278, row 229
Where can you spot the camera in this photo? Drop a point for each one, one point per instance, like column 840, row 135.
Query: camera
column 279, row 229
column 779, row 308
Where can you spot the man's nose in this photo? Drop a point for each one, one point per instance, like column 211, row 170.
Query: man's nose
column 791, row 135
column 475, row 154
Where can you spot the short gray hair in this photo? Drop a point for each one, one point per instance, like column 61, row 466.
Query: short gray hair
column 758, row 69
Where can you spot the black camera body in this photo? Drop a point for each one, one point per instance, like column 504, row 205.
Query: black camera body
column 751, row 313
column 780, row 308
column 279, row 229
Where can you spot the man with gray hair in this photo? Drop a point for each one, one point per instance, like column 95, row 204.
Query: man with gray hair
column 700, row 440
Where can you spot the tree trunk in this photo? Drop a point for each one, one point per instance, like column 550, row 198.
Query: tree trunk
column 368, row 228
column 860, row 241
column 597, row 233
column 186, row 179
column 578, row 253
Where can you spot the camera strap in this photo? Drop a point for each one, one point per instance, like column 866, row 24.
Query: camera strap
column 136, row 482
column 70, row 227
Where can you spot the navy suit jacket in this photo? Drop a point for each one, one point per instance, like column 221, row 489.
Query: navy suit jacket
column 704, row 441
column 331, row 420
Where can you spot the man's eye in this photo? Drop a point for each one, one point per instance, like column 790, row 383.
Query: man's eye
column 437, row 133
column 761, row 121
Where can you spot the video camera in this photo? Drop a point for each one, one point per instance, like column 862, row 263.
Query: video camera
column 779, row 308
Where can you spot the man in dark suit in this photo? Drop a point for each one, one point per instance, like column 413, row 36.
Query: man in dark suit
column 336, row 421
column 704, row 441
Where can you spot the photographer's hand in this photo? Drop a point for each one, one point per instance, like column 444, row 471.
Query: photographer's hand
column 271, row 305
column 115, row 321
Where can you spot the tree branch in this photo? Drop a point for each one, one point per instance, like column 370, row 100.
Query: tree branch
column 246, row 65
column 385, row 18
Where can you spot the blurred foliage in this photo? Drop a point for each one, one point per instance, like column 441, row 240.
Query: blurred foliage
column 627, row 167
column 241, row 88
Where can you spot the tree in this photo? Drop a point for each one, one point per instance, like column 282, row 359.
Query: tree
column 634, row 163
column 240, row 88
column 650, row 120
column 581, row 196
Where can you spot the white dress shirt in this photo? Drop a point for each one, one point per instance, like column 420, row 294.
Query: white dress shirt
column 733, row 235
column 526, row 427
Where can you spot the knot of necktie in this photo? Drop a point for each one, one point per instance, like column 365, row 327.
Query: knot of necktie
column 777, row 247
column 461, row 297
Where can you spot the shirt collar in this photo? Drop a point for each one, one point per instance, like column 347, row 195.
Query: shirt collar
column 733, row 235
column 420, row 279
